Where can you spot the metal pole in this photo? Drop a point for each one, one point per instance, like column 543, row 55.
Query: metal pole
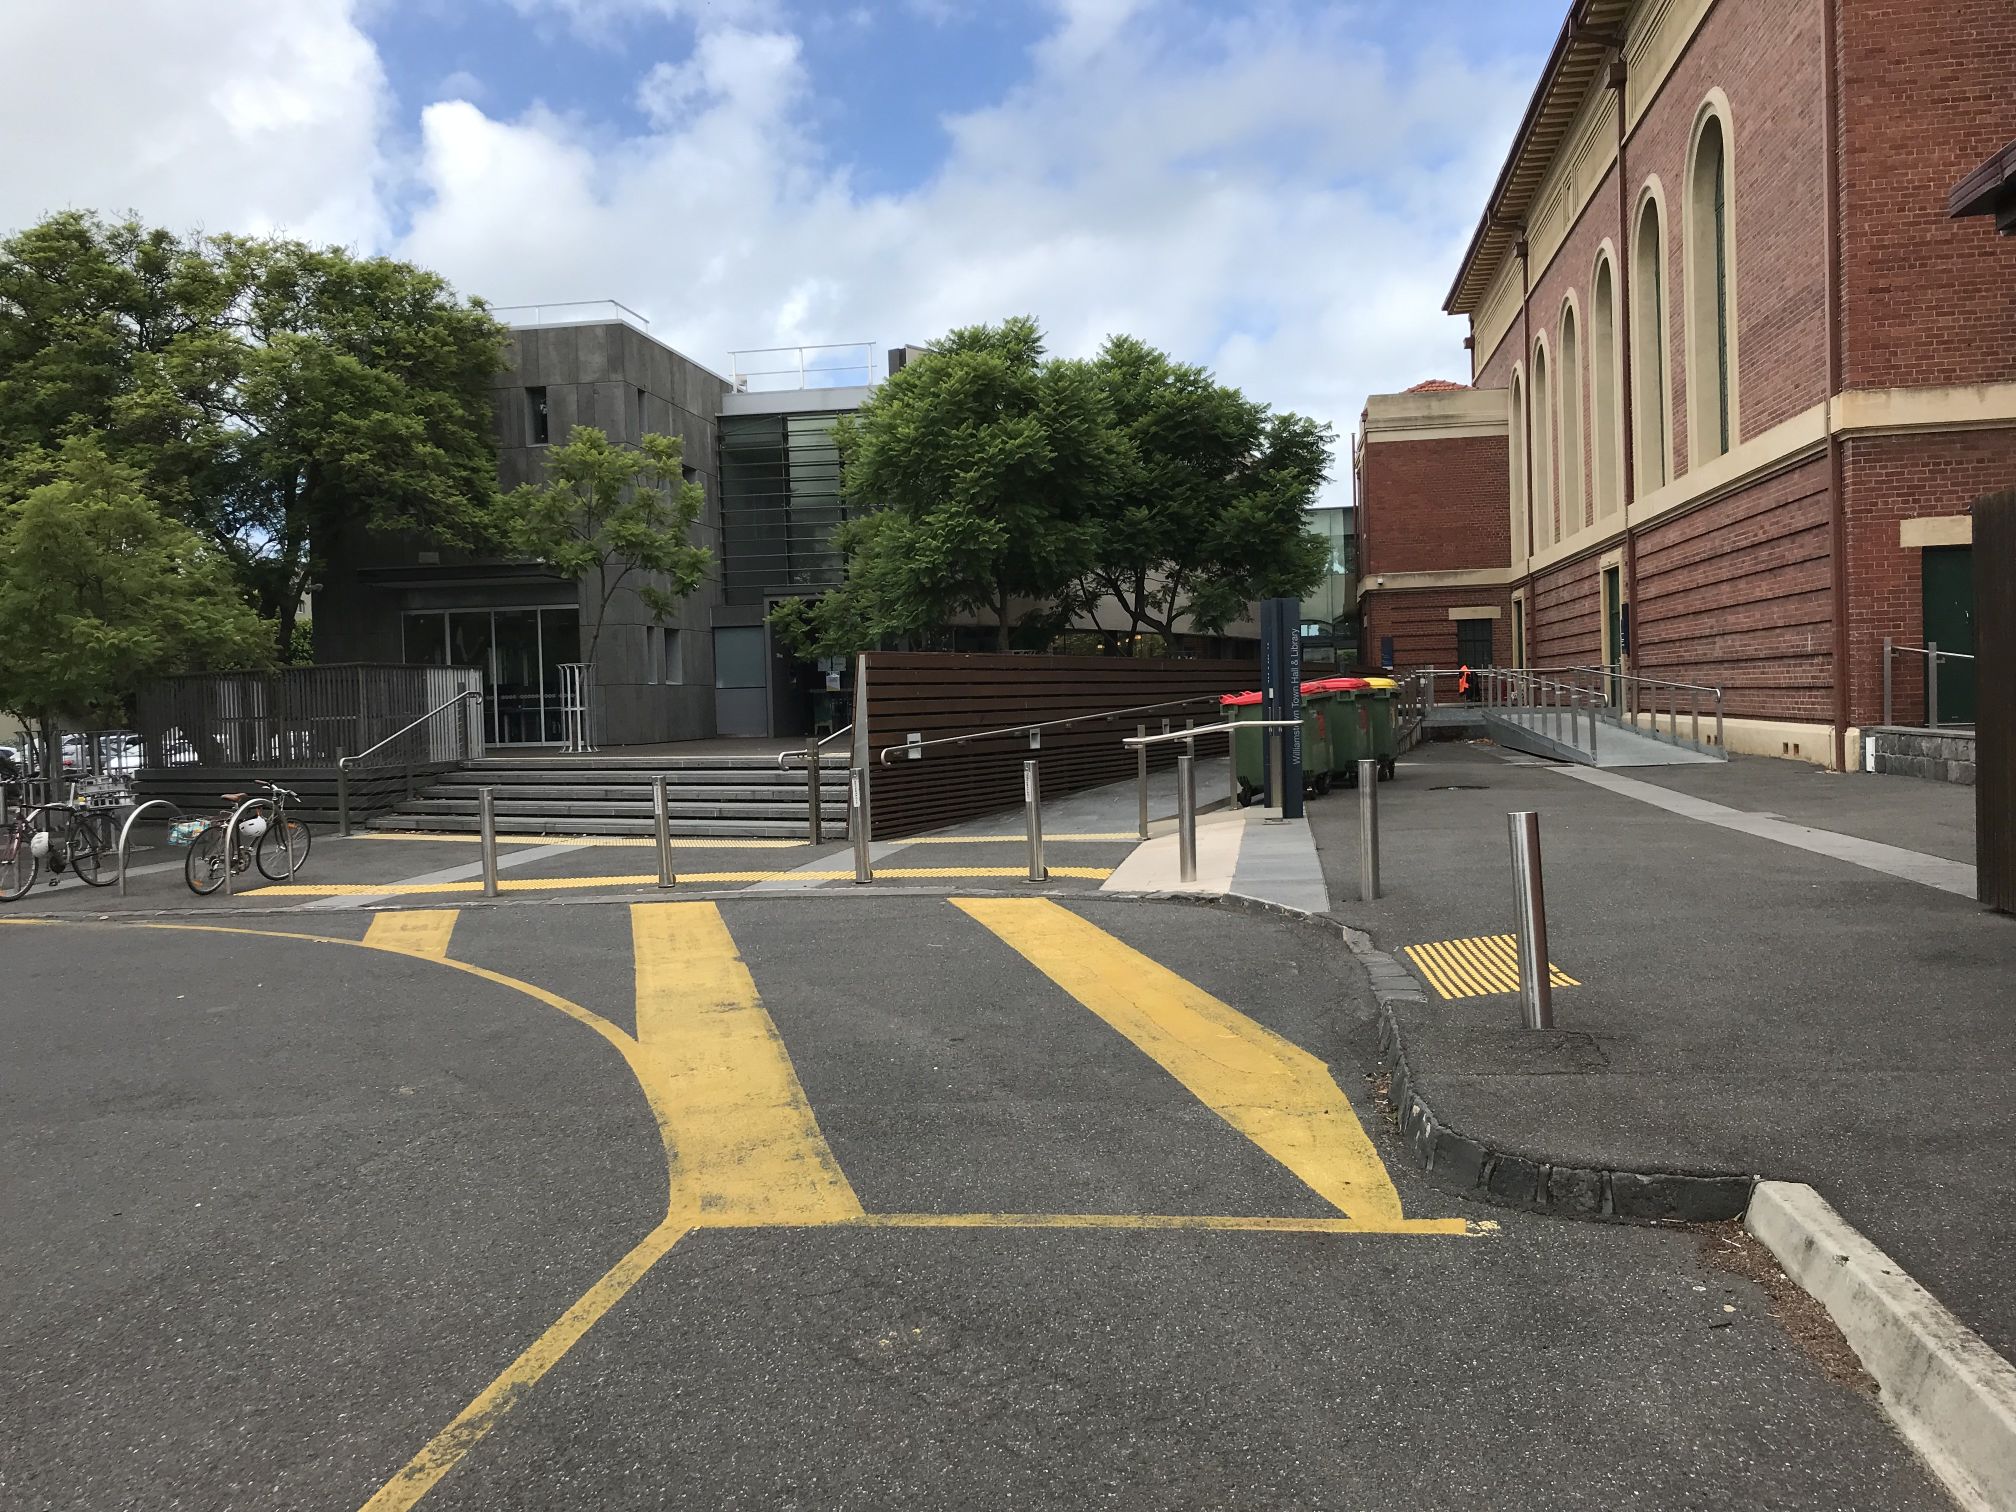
column 1141, row 780
column 661, row 819
column 1536, row 991
column 1032, row 807
column 1186, row 818
column 1694, row 709
column 1718, row 721
column 342, row 794
column 486, row 809
column 1276, row 758
column 1368, row 829
column 857, row 824
column 1888, row 715
column 1932, row 685
column 815, row 779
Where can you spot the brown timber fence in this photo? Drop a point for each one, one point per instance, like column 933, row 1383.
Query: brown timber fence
column 1995, row 700
column 936, row 695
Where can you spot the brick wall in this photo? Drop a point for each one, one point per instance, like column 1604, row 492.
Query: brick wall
column 1423, row 634
column 1565, row 616
column 1926, row 98
column 1891, row 479
column 1434, row 506
column 1738, row 595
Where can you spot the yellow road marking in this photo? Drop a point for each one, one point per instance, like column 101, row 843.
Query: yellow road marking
column 1475, row 966
column 648, row 879
column 1171, row 1221
column 446, row 1449
column 423, row 932
column 748, row 1146
column 1274, row 1092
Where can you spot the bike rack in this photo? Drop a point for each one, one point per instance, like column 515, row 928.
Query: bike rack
column 126, row 832
column 231, row 841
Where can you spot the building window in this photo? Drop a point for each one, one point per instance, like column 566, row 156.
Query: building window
column 653, row 657
column 535, row 411
column 637, row 415
column 738, row 657
column 671, row 670
column 1543, row 450
column 1605, row 414
column 1572, row 518
column 1652, row 452
column 1711, row 375
column 1516, row 451
column 1473, row 642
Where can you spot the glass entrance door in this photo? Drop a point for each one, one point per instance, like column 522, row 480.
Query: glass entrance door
column 519, row 652
column 516, row 688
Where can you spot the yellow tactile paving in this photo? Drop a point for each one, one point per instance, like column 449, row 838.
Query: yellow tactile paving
column 650, row 879
column 1475, row 966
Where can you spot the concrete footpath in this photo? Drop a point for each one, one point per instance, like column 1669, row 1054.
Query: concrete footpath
column 1775, row 972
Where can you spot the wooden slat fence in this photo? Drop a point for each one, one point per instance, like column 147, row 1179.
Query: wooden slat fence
column 936, row 695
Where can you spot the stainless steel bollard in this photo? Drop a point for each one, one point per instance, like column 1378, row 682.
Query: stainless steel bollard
column 1932, row 685
column 1141, row 780
column 1368, row 829
column 1889, row 713
column 1536, row 990
column 661, row 823
column 342, row 794
column 1186, row 818
column 486, row 811
column 1032, row 808
column 857, row 823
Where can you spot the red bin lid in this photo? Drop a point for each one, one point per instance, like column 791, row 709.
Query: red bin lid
column 1335, row 685
column 1239, row 700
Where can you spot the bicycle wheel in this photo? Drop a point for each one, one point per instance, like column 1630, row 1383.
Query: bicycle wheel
column 18, row 864
column 203, row 867
column 273, row 859
column 87, row 852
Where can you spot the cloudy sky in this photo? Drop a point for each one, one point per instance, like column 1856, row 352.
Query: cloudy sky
column 1278, row 188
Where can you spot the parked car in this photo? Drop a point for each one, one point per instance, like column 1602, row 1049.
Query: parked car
column 118, row 751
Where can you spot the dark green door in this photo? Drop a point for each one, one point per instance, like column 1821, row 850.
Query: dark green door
column 1613, row 627
column 1949, row 621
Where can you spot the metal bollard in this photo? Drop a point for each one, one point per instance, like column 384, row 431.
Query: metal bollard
column 342, row 794
column 661, row 820
column 815, row 777
column 1536, row 990
column 857, row 824
column 1368, row 830
column 486, row 812
column 1141, row 780
column 1186, row 818
column 1032, row 808
column 1889, row 714
column 1931, row 685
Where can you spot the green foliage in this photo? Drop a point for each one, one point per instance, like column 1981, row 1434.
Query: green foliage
column 979, row 466
column 100, row 590
column 276, row 396
column 1209, row 508
column 615, row 514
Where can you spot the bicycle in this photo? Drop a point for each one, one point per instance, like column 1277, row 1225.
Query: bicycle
column 65, row 835
column 259, row 842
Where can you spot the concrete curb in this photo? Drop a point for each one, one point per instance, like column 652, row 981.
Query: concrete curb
column 1951, row 1395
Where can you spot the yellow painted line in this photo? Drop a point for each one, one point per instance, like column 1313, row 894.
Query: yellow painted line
column 749, row 1148
column 446, row 1449
column 1171, row 1221
column 648, row 879
column 424, row 932
column 679, row 842
column 1475, row 966
column 1273, row 1091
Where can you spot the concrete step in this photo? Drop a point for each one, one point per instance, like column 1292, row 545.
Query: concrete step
column 633, row 792
column 745, row 777
column 610, row 808
column 735, row 829
column 596, row 761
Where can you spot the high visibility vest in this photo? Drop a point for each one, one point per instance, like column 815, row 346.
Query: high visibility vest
column 1462, row 679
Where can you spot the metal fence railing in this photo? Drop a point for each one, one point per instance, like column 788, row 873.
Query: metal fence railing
column 307, row 716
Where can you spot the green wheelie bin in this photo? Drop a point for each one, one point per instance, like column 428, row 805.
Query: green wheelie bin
column 1249, row 746
column 1379, row 699
column 1344, row 724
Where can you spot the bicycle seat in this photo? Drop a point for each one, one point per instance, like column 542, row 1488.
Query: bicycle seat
column 234, row 797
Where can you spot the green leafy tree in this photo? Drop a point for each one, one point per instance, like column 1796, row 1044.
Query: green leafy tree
column 1208, row 508
column 615, row 516
column 101, row 590
column 978, row 468
column 278, row 397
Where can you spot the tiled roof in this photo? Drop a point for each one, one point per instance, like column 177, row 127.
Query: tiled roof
column 1437, row 386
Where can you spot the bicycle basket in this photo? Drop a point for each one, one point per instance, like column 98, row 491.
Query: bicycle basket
column 187, row 831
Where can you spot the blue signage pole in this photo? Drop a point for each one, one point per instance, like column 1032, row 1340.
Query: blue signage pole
column 1281, row 689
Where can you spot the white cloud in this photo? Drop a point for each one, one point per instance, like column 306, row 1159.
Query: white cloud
column 1268, row 195
column 260, row 117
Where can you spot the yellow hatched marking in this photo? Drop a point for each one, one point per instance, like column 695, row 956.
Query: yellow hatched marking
column 1274, row 1092
column 749, row 1148
column 1475, row 966
column 421, row 932
column 647, row 879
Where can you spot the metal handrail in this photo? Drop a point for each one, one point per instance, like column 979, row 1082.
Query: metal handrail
column 1191, row 734
column 344, row 763
column 1933, row 651
column 815, row 779
column 912, row 748
column 817, row 745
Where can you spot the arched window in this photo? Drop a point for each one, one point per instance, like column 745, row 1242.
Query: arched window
column 1517, row 453
column 1605, row 412
column 1543, row 449
column 1711, row 290
column 1652, row 445
column 1572, row 460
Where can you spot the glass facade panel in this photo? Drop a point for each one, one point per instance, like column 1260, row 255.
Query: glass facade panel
column 518, row 651
column 780, row 502
column 559, row 642
column 426, row 640
column 738, row 657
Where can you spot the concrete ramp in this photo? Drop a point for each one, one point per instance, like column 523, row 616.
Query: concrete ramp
column 1587, row 740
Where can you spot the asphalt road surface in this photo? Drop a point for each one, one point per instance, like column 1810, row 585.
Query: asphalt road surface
column 813, row 1202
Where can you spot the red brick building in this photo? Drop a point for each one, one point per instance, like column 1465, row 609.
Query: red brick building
column 1751, row 371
